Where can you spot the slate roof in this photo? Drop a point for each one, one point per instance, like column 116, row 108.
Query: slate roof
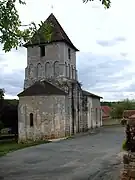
column 86, row 93
column 58, row 34
column 42, row 88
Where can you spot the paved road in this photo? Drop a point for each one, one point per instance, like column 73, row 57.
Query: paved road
column 90, row 157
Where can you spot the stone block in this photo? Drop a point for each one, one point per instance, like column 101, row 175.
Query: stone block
column 132, row 173
column 132, row 164
column 125, row 178
column 125, row 159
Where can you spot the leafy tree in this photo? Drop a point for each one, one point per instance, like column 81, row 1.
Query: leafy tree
column 11, row 33
column 117, row 111
column 119, row 107
column 106, row 3
column 1, row 126
column 2, row 91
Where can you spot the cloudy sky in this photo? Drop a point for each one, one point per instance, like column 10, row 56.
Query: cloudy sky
column 105, row 38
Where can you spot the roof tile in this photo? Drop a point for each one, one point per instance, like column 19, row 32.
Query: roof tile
column 42, row 88
column 58, row 34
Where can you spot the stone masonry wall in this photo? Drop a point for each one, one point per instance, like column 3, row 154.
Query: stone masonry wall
column 48, row 117
column 96, row 112
column 54, row 63
column 128, row 173
column 129, row 158
column 91, row 113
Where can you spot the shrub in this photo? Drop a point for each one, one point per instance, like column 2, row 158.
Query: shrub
column 123, row 122
column 124, row 145
column 1, row 126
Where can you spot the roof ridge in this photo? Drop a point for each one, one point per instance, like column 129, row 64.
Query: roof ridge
column 38, row 88
column 58, row 24
column 58, row 34
column 53, row 85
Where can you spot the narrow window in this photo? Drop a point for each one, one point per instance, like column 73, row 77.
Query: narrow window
column 56, row 68
column 69, row 53
column 65, row 69
column 31, row 120
column 42, row 51
column 69, row 70
column 96, row 116
column 47, row 69
column 39, row 70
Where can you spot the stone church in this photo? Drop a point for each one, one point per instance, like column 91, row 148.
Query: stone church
column 53, row 104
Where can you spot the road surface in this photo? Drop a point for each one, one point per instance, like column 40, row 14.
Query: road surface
column 89, row 157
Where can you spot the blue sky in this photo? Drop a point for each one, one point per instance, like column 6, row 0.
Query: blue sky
column 105, row 38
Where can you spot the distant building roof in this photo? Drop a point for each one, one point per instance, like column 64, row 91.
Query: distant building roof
column 106, row 111
column 58, row 34
column 86, row 93
column 128, row 113
column 132, row 117
column 42, row 88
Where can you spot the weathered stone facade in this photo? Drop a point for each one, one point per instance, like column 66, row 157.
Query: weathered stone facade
column 91, row 111
column 48, row 117
column 128, row 173
column 52, row 103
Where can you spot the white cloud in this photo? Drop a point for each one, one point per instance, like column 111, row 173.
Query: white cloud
column 103, row 35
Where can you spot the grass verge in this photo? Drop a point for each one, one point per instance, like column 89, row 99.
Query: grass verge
column 69, row 137
column 10, row 146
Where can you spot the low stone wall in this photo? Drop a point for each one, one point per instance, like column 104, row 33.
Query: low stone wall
column 128, row 173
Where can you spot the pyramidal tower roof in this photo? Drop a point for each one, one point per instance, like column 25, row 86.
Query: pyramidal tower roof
column 58, row 34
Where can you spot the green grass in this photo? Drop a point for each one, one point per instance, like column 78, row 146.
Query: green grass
column 10, row 146
column 69, row 137
column 124, row 145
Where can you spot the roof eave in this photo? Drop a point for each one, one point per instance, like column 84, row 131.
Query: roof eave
column 37, row 44
column 97, row 96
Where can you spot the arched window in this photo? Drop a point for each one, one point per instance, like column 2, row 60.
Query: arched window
column 69, row 70
column 30, row 70
column 47, row 69
column 66, row 69
column 39, row 70
column 56, row 68
column 31, row 120
column 72, row 72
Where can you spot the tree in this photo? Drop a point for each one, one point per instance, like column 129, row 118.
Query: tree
column 117, row 111
column 119, row 107
column 1, row 107
column 11, row 33
column 1, row 126
column 2, row 91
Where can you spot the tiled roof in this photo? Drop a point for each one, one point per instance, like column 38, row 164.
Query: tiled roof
column 86, row 93
column 132, row 117
column 58, row 34
column 42, row 88
column 128, row 113
column 106, row 111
